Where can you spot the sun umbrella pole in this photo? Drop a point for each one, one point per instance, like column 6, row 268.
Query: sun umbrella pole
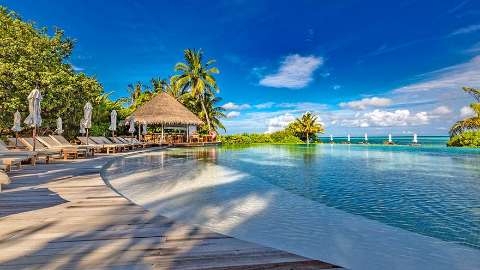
column 34, row 135
column 87, row 134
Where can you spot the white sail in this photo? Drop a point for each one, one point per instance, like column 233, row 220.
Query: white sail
column 390, row 138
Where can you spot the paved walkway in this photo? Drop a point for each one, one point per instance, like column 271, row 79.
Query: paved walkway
column 63, row 216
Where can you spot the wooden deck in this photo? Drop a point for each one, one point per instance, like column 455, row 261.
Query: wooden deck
column 63, row 216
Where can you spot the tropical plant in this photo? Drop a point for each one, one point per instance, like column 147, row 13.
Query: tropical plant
column 29, row 58
column 196, row 77
column 467, row 138
column 208, row 110
column 306, row 126
column 471, row 123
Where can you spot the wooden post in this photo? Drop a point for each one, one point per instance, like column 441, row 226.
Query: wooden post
column 163, row 136
column 188, row 133
column 87, row 135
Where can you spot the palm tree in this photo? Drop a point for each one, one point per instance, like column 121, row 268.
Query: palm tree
column 214, row 111
column 197, row 78
column 139, row 94
column 471, row 123
column 307, row 125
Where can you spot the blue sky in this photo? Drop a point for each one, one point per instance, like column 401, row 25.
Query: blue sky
column 361, row 66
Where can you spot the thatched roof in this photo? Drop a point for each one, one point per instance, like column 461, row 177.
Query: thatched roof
column 165, row 109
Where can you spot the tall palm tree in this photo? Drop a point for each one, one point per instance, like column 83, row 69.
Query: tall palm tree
column 307, row 125
column 214, row 111
column 471, row 123
column 197, row 77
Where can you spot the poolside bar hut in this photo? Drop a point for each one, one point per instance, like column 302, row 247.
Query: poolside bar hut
column 165, row 111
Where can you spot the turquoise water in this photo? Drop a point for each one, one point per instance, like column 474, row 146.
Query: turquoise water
column 434, row 191
column 401, row 140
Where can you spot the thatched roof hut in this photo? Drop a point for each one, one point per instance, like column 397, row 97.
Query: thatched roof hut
column 165, row 109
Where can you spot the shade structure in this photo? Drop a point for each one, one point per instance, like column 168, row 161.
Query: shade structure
column 366, row 137
column 131, row 124
column 415, row 140
column 165, row 109
column 144, row 128
column 34, row 118
column 390, row 138
column 348, row 137
column 59, row 129
column 113, row 121
column 87, row 115
column 331, row 138
column 17, row 121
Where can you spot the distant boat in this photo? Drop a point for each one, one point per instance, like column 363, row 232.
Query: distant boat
column 390, row 141
column 415, row 140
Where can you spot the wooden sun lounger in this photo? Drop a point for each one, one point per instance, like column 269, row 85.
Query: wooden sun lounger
column 27, row 155
column 40, row 149
column 129, row 141
column 99, row 139
column 60, row 140
column 107, row 147
column 9, row 162
column 68, row 151
column 118, row 141
column 144, row 144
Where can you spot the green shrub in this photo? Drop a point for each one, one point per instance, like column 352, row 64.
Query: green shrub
column 468, row 138
column 245, row 139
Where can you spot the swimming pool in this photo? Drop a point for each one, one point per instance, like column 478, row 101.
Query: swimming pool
column 395, row 205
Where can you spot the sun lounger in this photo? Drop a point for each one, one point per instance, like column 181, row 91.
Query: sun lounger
column 4, row 179
column 67, row 151
column 122, row 146
column 60, row 140
column 9, row 162
column 40, row 149
column 144, row 144
column 107, row 147
column 117, row 140
column 130, row 141
column 26, row 155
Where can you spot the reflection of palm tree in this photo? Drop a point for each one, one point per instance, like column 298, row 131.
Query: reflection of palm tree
column 197, row 77
column 471, row 123
column 307, row 125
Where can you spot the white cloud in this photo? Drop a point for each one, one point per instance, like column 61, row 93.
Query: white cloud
column 336, row 87
column 233, row 106
column 453, row 77
column 233, row 114
column 295, row 72
column 441, row 110
column 279, row 122
column 379, row 118
column 466, row 30
column 265, row 105
column 366, row 102
column 466, row 112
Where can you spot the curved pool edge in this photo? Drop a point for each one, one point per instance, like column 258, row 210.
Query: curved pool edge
column 449, row 249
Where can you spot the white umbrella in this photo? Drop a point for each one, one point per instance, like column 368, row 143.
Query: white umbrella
column 144, row 128
column 17, row 121
column 331, row 138
column 87, row 117
column 113, row 122
column 390, row 138
column 34, row 118
column 131, row 129
column 348, row 137
column 415, row 140
column 366, row 137
column 59, row 129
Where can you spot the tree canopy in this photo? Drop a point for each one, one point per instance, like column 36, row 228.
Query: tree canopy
column 30, row 58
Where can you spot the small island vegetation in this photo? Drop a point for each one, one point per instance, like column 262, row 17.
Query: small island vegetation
column 466, row 132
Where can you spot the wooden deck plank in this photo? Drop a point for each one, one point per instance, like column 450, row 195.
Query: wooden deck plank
column 63, row 216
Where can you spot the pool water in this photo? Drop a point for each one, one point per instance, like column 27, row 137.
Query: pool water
column 431, row 191
column 357, row 206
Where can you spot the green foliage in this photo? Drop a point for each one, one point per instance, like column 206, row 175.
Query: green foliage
column 306, row 127
column 467, row 138
column 215, row 112
column 471, row 123
column 196, row 77
column 29, row 57
column 280, row 137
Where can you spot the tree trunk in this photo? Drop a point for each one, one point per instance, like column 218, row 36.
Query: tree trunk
column 308, row 139
column 206, row 113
